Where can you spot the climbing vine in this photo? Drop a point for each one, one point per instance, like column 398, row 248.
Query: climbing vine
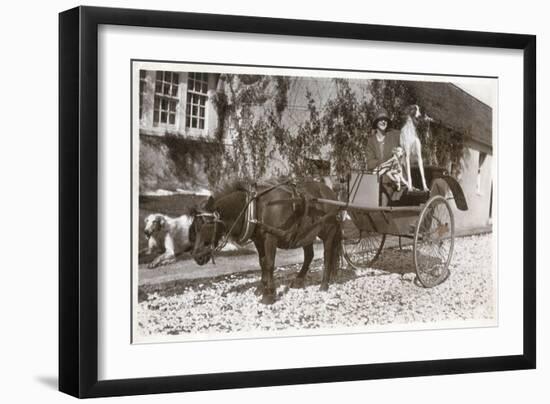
column 249, row 109
column 254, row 126
column 346, row 125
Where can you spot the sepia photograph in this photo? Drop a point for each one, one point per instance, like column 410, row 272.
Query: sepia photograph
column 274, row 201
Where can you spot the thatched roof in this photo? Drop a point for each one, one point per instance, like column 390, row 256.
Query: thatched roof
column 454, row 108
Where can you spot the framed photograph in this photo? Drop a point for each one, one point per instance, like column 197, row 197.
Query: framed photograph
column 250, row 202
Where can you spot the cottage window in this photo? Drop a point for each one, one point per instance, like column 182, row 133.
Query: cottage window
column 197, row 90
column 166, row 98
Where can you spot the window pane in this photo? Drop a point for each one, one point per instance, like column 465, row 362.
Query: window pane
column 172, row 119
column 156, row 118
column 142, row 74
column 195, row 111
column 164, row 104
column 174, row 90
column 158, row 87
column 163, row 117
column 172, row 106
column 175, row 77
column 159, row 75
column 157, row 102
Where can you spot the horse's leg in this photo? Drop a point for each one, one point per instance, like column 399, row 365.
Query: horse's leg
column 261, row 255
column 270, row 248
column 335, row 252
column 330, row 246
column 298, row 282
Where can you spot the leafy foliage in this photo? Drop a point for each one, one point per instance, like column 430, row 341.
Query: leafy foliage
column 393, row 96
column 443, row 147
column 346, row 126
column 252, row 110
column 245, row 108
column 305, row 143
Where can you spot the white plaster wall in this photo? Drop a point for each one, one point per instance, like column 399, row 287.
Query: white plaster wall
column 477, row 215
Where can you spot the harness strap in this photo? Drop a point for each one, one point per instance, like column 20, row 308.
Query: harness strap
column 249, row 225
column 252, row 197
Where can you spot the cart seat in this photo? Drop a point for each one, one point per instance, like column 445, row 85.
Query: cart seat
column 409, row 198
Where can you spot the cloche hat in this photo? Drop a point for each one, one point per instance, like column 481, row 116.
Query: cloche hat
column 381, row 114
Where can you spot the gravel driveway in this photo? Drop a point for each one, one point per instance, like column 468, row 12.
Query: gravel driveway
column 385, row 294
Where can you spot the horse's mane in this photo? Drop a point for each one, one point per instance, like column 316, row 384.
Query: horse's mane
column 242, row 184
column 236, row 184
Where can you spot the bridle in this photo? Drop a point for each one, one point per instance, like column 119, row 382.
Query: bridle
column 215, row 219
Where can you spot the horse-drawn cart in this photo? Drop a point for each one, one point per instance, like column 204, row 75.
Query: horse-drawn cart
column 291, row 214
column 371, row 210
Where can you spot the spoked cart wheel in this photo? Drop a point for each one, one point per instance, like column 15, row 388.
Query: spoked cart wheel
column 434, row 242
column 360, row 248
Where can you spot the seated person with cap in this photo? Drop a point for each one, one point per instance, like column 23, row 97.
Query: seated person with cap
column 380, row 146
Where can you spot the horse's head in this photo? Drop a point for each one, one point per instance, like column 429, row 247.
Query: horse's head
column 205, row 232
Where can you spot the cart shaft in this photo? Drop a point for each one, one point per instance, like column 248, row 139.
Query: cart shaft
column 354, row 206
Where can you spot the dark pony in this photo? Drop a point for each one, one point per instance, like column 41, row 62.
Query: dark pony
column 286, row 215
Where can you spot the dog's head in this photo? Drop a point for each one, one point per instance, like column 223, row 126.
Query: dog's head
column 413, row 111
column 154, row 223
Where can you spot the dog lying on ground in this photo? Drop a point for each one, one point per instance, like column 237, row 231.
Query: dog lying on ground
column 411, row 143
column 166, row 236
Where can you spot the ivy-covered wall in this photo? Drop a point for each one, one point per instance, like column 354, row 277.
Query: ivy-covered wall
column 278, row 125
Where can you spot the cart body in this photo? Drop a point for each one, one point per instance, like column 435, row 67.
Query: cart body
column 370, row 210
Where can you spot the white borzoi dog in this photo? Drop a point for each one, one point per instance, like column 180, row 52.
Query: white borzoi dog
column 411, row 143
column 167, row 236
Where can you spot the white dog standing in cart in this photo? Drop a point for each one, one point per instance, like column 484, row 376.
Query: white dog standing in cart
column 411, row 143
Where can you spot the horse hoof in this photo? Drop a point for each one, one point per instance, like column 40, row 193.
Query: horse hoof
column 259, row 291
column 297, row 283
column 268, row 299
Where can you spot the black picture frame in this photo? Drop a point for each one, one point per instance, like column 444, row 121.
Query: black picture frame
column 78, row 200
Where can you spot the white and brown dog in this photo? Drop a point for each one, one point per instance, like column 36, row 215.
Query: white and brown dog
column 166, row 236
column 411, row 143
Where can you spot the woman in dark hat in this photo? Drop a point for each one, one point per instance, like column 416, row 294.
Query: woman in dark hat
column 382, row 141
